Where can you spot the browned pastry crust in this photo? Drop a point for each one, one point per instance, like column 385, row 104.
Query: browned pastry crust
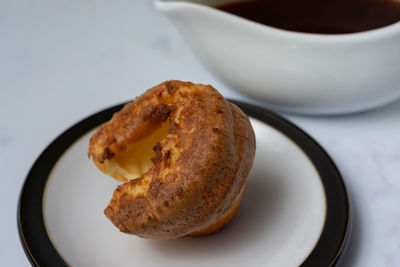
column 200, row 166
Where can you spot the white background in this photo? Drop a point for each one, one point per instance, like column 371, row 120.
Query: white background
column 61, row 61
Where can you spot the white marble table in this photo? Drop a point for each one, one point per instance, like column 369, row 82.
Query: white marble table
column 63, row 60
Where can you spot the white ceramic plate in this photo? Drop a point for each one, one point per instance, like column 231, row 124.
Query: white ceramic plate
column 294, row 210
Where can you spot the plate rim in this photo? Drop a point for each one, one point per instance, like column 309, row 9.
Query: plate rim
column 39, row 248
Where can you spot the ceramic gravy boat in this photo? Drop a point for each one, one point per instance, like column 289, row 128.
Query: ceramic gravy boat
column 292, row 71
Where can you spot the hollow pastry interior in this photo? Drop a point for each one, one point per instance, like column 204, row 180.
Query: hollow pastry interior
column 135, row 159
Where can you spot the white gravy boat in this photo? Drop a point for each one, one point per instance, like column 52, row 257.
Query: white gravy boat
column 292, row 71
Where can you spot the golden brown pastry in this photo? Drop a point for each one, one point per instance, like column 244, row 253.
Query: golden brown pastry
column 185, row 153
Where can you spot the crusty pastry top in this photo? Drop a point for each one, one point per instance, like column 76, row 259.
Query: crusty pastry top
column 196, row 170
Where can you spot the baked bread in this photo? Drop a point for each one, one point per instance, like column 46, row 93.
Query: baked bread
column 185, row 153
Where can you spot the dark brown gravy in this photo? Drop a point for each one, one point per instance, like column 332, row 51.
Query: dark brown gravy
column 319, row 16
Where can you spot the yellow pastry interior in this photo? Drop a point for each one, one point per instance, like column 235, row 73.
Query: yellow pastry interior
column 135, row 159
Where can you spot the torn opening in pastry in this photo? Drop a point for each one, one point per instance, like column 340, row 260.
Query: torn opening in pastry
column 135, row 159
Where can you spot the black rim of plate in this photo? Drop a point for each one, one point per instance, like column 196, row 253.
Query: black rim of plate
column 41, row 252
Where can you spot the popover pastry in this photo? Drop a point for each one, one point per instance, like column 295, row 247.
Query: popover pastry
column 184, row 153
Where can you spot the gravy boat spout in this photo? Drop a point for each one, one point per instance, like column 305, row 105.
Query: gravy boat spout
column 292, row 71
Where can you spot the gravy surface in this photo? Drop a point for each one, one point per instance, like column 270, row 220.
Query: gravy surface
column 319, row 16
